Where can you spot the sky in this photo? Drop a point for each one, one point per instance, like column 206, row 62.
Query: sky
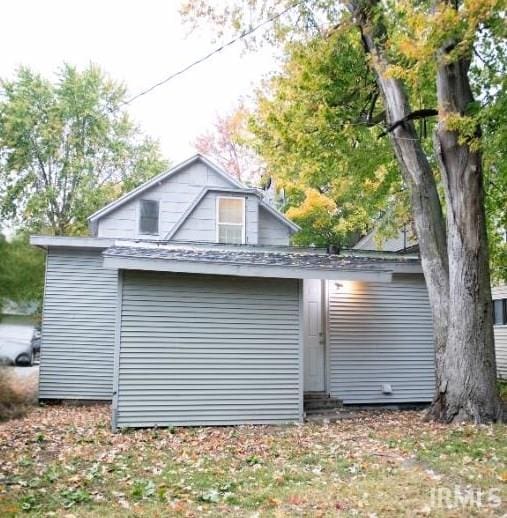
column 138, row 43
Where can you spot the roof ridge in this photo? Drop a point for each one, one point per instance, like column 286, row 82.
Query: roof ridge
column 115, row 204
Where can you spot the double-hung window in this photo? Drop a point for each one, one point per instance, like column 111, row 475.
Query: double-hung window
column 230, row 214
column 148, row 217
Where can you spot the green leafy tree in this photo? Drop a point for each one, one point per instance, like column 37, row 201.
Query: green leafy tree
column 317, row 128
column 489, row 77
column 67, row 148
column 21, row 270
column 412, row 49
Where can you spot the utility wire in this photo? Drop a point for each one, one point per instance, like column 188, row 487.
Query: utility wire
column 212, row 53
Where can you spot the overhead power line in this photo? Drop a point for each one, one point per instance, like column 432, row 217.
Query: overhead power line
column 211, row 54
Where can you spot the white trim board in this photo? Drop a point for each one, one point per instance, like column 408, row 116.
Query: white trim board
column 116, row 352
column 243, row 217
column 244, row 270
column 72, row 242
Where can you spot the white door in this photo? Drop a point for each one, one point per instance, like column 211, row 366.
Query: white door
column 314, row 341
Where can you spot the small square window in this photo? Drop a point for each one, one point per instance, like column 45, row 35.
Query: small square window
column 230, row 220
column 148, row 218
column 500, row 312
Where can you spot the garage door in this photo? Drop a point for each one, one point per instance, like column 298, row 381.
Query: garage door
column 198, row 350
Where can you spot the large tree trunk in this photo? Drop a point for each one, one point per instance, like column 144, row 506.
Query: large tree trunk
column 457, row 272
column 429, row 221
column 468, row 381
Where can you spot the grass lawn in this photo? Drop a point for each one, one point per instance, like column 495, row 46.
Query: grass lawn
column 64, row 461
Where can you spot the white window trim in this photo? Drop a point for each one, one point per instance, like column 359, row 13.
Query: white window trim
column 139, row 211
column 217, row 217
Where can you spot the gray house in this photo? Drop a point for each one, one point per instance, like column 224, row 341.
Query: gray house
column 188, row 306
column 406, row 242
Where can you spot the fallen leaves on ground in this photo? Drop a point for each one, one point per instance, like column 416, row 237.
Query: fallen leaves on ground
column 64, row 461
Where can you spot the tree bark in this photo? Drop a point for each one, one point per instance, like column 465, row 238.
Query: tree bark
column 429, row 221
column 468, row 381
column 456, row 269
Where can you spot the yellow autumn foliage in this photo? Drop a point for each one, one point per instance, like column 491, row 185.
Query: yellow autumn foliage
column 419, row 39
column 316, row 205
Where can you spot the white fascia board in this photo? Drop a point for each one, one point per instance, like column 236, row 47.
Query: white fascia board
column 243, row 270
column 71, row 242
column 160, row 178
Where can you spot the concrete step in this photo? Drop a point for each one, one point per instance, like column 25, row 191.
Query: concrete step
column 320, row 401
column 322, row 404
column 316, row 395
column 332, row 417
column 323, row 411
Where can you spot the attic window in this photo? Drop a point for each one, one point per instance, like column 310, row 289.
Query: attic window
column 500, row 312
column 148, row 217
column 230, row 220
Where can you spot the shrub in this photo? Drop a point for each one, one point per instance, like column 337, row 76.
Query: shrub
column 16, row 394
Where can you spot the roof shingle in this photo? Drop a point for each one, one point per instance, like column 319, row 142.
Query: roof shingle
column 285, row 257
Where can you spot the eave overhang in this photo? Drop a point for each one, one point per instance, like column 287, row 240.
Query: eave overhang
column 288, row 263
column 71, row 242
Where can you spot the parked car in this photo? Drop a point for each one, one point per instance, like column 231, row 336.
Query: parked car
column 16, row 352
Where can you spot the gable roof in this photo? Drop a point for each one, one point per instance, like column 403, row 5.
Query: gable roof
column 195, row 202
column 160, row 178
column 402, row 243
column 185, row 215
column 236, row 186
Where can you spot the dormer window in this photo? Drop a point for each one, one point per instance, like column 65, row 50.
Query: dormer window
column 230, row 220
column 148, row 217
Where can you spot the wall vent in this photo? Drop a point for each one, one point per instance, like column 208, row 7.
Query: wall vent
column 386, row 388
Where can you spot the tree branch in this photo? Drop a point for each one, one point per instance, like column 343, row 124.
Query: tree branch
column 417, row 114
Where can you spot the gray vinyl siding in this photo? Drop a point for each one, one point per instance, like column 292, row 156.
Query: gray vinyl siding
column 500, row 292
column 501, row 351
column 208, row 350
column 380, row 333
column 77, row 327
column 271, row 230
column 252, row 220
column 174, row 195
column 201, row 223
